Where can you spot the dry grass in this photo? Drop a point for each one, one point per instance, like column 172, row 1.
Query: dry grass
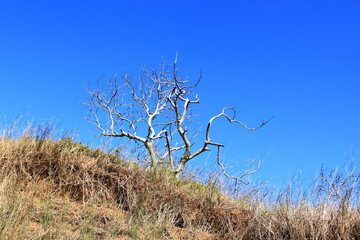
column 64, row 190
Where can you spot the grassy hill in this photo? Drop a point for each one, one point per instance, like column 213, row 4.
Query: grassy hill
column 65, row 190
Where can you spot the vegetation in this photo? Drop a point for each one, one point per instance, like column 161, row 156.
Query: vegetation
column 65, row 190
column 155, row 111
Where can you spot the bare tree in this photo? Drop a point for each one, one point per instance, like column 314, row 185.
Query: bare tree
column 155, row 112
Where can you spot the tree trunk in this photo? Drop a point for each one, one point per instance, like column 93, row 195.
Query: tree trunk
column 154, row 160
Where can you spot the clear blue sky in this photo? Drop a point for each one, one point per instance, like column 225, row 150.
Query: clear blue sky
column 296, row 60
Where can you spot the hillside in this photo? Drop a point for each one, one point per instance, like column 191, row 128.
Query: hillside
column 65, row 190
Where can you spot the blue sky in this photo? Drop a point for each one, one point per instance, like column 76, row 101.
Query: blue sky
column 296, row 60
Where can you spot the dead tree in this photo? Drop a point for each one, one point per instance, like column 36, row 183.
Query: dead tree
column 339, row 187
column 155, row 112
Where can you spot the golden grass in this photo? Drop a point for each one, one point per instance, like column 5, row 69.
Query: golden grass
column 64, row 190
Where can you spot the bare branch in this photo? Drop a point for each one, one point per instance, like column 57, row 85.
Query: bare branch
column 155, row 112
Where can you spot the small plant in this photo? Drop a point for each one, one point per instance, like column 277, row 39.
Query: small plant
column 69, row 144
column 46, row 217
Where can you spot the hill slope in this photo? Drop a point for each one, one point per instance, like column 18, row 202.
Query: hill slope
column 64, row 190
